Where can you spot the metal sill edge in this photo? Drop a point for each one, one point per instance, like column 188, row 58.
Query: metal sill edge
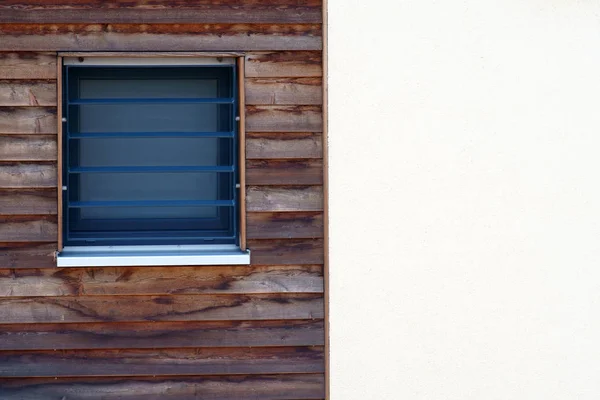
column 129, row 256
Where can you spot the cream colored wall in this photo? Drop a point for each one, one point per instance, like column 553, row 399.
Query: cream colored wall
column 464, row 199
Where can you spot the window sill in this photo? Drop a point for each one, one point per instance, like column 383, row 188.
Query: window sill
column 126, row 256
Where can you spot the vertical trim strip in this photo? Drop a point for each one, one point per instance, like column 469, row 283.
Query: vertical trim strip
column 326, row 201
column 242, row 150
column 59, row 159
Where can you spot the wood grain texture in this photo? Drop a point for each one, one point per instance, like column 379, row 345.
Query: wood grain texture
column 283, row 91
column 160, row 308
column 284, row 172
column 24, row 175
column 27, row 119
column 27, row 93
column 284, row 64
column 191, row 361
column 27, row 255
column 32, row 202
column 252, row 387
column 159, row 37
column 166, row 321
column 267, row 145
column 23, row 65
column 160, row 11
column 285, row 225
column 28, row 148
column 292, row 251
column 160, row 280
column 27, row 229
column 150, row 335
column 284, row 198
column 284, row 119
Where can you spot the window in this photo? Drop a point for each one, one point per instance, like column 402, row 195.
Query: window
column 150, row 162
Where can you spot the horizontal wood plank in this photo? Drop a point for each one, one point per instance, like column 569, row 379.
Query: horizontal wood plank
column 161, row 280
column 284, row 64
column 24, row 65
column 292, row 251
column 25, row 175
column 149, row 335
column 28, row 148
column 160, row 308
column 27, row 229
column 282, row 91
column 284, row 172
column 22, row 202
column 27, row 255
column 252, row 387
column 285, row 225
column 28, row 119
column 284, row 119
column 27, row 93
column 160, row 11
column 192, row 361
column 284, row 198
column 159, row 37
column 268, row 145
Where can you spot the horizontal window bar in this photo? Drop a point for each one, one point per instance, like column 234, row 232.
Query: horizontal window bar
column 81, row 170
column 150, row 134
column 223, row 100
column 96, row 237
column 152, row 203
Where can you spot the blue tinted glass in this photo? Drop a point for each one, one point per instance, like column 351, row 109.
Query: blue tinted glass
column 145, row 160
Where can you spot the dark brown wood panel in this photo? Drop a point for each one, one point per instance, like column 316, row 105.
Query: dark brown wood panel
column 284, row 198
column 27, row 119
column 27, row 229
column 284, row 172
column 86, row 325
column 160, row 308
column 242, row 387
column 28, row 148
column 23, row 65
column 26, row 175
column 191, row 361
column 292, row 251
column 34, row 201
column 161, row 280
column 150, row 335
column 284, row 64
column 285, row 225
column 268, row 145
column 27, row 255
column 27, row 93
column 283, row 91
column 284, row 119
column 159, row 37
column 160, row 11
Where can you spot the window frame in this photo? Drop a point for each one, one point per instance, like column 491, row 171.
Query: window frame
column 193, row 254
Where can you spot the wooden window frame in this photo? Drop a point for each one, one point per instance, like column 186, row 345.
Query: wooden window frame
column 240, row 65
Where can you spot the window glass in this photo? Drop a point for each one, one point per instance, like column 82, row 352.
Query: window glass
column 150, row 155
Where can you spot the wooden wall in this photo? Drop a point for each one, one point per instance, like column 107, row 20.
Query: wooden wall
column 222, row 332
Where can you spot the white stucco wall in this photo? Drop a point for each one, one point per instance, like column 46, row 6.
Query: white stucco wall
column 464, row 199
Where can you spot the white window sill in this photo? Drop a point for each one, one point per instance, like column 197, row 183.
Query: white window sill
column 126, row 256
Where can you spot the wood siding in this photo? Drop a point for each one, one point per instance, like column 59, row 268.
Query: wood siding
column 218, row 332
